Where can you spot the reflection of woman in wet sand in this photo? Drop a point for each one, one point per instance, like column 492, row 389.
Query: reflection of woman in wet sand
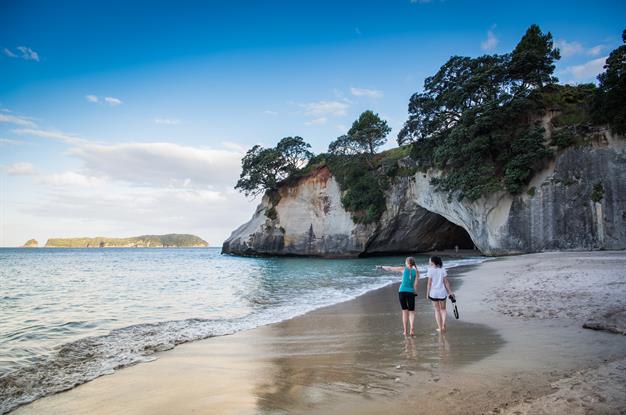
column 407, row 291
column 438, row 290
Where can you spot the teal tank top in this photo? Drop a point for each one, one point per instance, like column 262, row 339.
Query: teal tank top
column 408, row 280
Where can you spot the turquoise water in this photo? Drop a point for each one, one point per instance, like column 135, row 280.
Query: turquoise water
column 70, row 315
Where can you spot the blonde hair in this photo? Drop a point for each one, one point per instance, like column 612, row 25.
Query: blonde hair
column 411, row 261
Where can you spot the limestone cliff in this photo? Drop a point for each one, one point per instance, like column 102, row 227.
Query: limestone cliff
column 577, row 202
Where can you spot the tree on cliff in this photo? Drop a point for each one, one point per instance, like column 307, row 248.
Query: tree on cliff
column 263, row 169
column 473, row 119
column 610, row 105
column 367, row 133
column 532, row 60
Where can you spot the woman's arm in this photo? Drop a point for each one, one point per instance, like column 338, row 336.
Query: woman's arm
column 428, row 287
column 387, row 268
column 447, row 284
column 417, row 280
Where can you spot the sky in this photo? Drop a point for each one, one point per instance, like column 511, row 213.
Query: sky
column 123, row 118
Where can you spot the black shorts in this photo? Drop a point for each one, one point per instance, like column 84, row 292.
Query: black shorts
column 436, row 299
column 407, row 300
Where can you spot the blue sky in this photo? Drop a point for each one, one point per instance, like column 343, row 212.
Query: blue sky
column 123, row 118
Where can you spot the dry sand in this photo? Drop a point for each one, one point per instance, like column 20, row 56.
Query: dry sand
column 518, row 348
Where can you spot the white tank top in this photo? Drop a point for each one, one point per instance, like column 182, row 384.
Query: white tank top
column 437, row 288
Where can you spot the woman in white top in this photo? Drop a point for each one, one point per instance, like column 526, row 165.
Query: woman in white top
column 438, row 290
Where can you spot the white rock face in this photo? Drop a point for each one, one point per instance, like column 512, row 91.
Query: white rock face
column 558, row 211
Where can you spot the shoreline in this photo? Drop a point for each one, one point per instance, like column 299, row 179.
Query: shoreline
column 314, row 357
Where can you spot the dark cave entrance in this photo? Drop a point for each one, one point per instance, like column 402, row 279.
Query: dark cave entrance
column 420, row 231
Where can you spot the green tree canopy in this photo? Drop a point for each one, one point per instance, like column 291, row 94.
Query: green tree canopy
column 532, row 60
column 474, row 119
column 610, row 105
column 367, row 133
column 263, row 169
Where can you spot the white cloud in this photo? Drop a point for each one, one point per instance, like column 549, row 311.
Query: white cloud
column 17, row 120
column 51, row 135
column 159, row 164
column 70, row 178
column 20, row 169
column 320, row 108
column 568, row 48
column 576, row 48
column 341, row 128
column 317, row 121
column 92, row 98
column 588, row 70
column 269, row 112
column 491, row 42
column 364, row 92
column 167, row 121
column 25, row 53
column 10, row 142
column 596, row 50
column 112, row 101
column 9, row 53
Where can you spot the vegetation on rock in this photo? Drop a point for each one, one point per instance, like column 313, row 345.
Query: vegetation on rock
column 478, row 123
column 145, row 241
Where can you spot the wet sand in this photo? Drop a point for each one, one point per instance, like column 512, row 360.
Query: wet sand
column 352, row 357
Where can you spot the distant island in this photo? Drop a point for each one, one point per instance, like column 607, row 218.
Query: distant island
column 172, row 240
column 31, row 243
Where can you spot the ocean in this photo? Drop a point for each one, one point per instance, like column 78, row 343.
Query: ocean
column 70, row 315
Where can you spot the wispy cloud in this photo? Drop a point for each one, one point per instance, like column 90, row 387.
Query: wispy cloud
column 20, row 169
column 112, row 101
column 269, row 112
column 364, row 92
column 10, row 142
column 491, row 42
column 420, row 1
column 317, row 121
column 107, row 100
column 17, row 120
column 167, row 121
column 52, row 135
column 576, row 48
column 71, row 179
column 586, row 71
column 321, row 108
column 22, row 52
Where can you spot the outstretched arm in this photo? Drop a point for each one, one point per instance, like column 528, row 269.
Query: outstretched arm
column 387, row 268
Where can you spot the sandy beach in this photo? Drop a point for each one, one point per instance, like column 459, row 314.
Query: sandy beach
column 519, row 347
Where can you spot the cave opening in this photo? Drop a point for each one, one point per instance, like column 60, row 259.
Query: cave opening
column 423, row 232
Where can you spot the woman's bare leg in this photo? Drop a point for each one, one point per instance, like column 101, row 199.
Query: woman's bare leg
column 437, row 314
column 412, row 322
column 405, row 317
column 442, row 310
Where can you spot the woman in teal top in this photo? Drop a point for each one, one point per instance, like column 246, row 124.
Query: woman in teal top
column 407, row 291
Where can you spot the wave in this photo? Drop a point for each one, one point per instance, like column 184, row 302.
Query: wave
column 86, row 359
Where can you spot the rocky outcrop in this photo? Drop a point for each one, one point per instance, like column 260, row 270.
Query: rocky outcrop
column 31, row 243
column 310, row 220
column 577, row 202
